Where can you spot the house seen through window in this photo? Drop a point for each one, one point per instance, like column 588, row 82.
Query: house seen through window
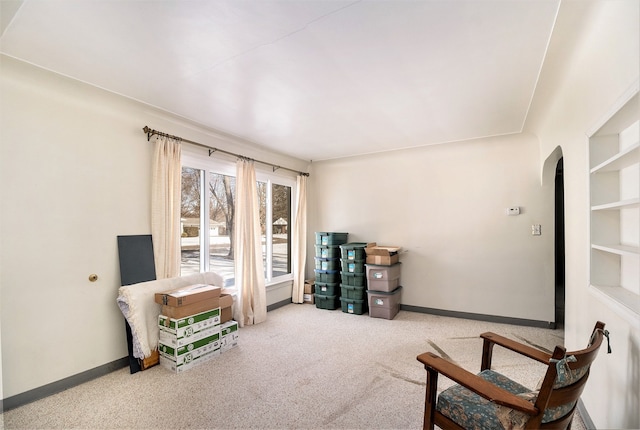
column 208, row 219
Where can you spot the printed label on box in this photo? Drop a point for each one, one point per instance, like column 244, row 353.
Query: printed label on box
column 351, row 254
column 378, row 302
column 189, row 335
column 213, row 340
column 229, row 335
column 350, row 308
column 186, row 353
column 195, row 322
column 378, row 275
column 228, row 328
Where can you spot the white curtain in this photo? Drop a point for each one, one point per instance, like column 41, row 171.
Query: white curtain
column 300, row 241
column 165, row 206
column 249, row 279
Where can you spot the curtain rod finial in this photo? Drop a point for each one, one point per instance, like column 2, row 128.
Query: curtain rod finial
column 149, row 132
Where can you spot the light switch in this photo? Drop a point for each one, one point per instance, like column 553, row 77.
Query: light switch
column 536, row 230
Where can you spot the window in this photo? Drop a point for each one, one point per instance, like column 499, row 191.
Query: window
column 208, row 205
column 275, row 222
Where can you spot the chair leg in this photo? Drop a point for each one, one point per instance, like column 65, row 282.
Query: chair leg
column 430, row 399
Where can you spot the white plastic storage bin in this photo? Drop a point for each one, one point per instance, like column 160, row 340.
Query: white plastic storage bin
column 383, row 278
column 384, row 304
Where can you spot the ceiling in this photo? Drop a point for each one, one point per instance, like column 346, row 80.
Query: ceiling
column 314, row 79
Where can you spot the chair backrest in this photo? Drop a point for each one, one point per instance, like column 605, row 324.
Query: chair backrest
column 564, row 381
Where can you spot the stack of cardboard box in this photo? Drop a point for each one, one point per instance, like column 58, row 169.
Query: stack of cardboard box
column 195, row 326
column 309, row 289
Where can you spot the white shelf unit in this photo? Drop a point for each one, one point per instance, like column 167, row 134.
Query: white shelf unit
column 614, row 190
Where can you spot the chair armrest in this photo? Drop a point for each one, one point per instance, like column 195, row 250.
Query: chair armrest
column 527, row 351
column 476, row 384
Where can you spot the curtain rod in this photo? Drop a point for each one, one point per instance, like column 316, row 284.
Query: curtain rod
column 150, row 132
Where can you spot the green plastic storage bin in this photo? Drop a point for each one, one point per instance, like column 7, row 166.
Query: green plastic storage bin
column 331, row 276
column 349, row 292
column 327, row 289
column 352, row 266
column 327, row 263
column 353, row 306
column 327, row 302
column 328, row 251
column 354, row 279
column 330, row 238
column 354, row 250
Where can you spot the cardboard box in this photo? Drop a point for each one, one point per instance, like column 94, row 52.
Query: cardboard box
column 194, row 322
column 189, row 336
column 309, row 289
column 228, row 335
column 150, row 361
column 171, row 365
column 382, row 255
column 309, row 286
column 191, row 309
column 187, row 295
column 226, row 314
column 224, row 302
column 226, row 308
column 186, row 353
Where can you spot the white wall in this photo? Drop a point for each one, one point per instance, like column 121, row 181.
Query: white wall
column 445, row 205
column 75, row 173
column 579, row 91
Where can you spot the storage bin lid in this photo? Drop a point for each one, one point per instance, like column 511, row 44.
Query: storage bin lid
column 353, row 245
column 383, row 265
column 385, row 293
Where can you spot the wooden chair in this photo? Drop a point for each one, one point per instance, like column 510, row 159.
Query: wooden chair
column 490, row 400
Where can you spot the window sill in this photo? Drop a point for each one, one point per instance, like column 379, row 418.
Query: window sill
column 280, row 283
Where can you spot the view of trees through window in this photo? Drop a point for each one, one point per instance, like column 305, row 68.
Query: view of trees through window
column 275, row 217
column 190, row 220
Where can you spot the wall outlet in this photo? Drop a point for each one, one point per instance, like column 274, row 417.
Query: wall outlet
column 536, row 230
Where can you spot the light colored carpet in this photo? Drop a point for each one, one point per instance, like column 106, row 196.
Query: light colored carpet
column 304, row 368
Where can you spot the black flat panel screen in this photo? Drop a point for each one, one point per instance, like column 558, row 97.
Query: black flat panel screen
column 136, row 259
column 137, row 264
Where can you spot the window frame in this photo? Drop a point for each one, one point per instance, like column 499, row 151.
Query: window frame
column 197, row 158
